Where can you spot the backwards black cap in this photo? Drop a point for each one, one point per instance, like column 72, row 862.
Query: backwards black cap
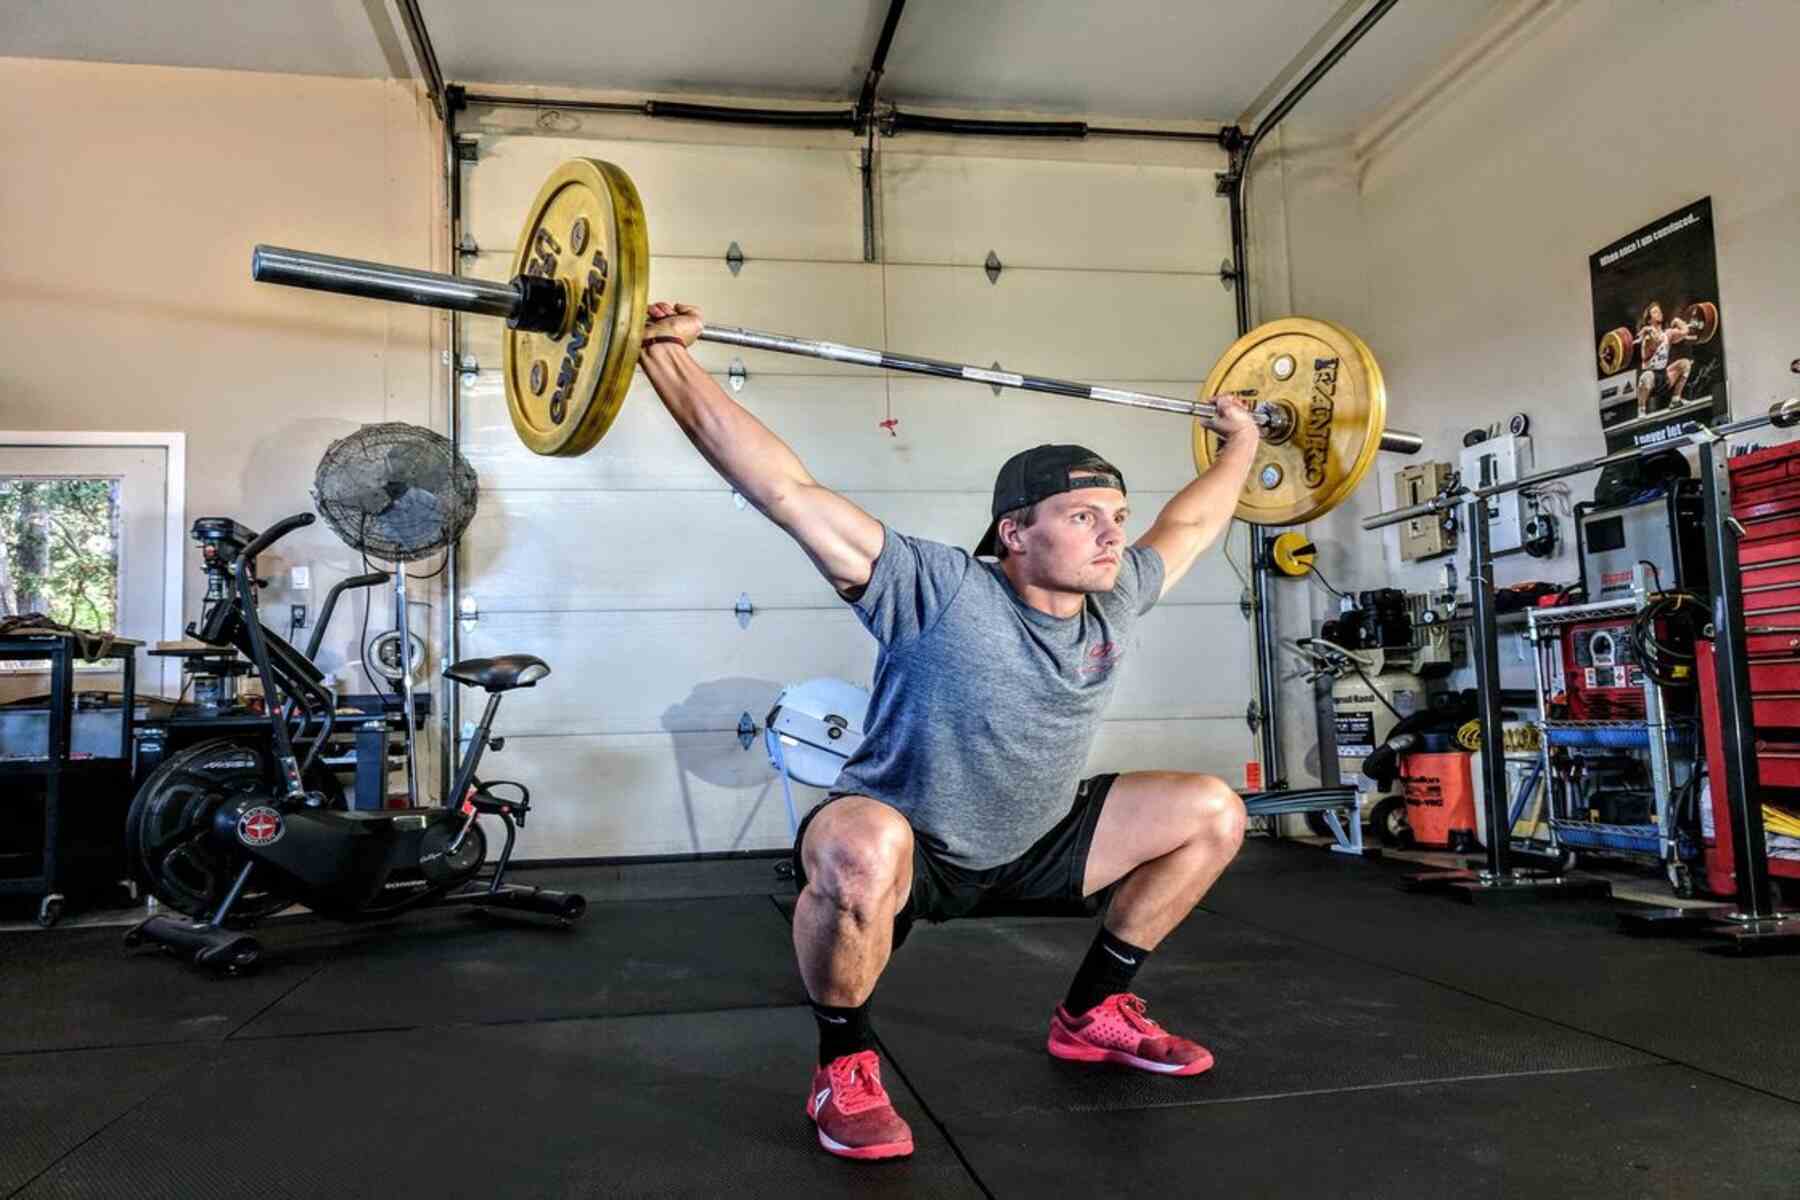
column 1039, row 473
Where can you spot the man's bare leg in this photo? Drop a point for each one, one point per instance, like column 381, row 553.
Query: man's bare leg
column 1678, row 377
column 857, row 857
column 1167, row 836
column 1164, row 837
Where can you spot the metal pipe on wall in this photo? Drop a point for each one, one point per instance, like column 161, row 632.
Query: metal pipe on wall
column 1234, row 183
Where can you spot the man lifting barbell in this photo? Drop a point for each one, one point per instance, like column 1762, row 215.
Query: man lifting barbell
column 965, row 798
column 991, row 679
column 1660, row 378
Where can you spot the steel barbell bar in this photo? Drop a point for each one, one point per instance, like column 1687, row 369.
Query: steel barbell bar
column 540, row 305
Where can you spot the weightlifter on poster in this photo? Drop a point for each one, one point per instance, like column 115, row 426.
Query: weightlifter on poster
column 966, row 797
column 1659, row 378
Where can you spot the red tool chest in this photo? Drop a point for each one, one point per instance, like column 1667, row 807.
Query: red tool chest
column 1765, row 498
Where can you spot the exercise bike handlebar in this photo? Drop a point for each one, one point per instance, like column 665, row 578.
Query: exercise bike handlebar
column 330, row 606
column 275, row 533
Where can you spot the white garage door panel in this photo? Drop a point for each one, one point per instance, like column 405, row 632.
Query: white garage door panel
column 621, row 567
column 837, row 302
column 951, row 436
column 1082, row 325
column 1042, row 213
column 698, row 199
column 954, row 436
column 819, row 416
column 562, row 551
column 684, row 793
column 633, row 550
column 638, row 672
column 641, row 672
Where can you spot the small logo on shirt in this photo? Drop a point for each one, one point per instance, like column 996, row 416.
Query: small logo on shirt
column 1101, row 659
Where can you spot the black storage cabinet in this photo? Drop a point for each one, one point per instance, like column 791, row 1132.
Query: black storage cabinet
column 65, row 780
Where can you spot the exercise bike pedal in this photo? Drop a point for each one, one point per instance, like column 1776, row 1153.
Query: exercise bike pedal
column 224, row 951
column 566, row 907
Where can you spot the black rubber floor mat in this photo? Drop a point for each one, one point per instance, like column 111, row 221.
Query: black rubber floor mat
column 51, row 1103
column 69, row 988
column 964, row 1008
column 451, row 966
column 1564, row 961
column 1636, row 1132
column 694, row 1105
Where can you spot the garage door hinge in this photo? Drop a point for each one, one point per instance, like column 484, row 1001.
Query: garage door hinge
column 1228, row 274
column 467, row 149
column 737, row 375
column 995, row 366
column 1253, row 716
column 734, row 258
column 470, row 367
column 746, row 730
column 1246, row 605
column 993, row 266
column 468, row 610
column 467, row 247
column 744, row 610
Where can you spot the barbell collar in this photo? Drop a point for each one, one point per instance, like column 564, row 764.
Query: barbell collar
column 379, row 281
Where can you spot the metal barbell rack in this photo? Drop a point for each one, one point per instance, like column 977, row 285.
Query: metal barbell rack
column 1756, row 917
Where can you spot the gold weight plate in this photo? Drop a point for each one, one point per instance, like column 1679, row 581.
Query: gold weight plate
column 586, row 229
column 1615, row 351
column 1329, row 379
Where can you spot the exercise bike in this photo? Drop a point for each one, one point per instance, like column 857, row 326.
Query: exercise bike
column 238, row 828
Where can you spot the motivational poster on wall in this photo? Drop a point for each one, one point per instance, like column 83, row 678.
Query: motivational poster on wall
column 1659, row 350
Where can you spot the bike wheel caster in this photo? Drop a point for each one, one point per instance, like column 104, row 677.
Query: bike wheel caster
column 133, row 939
column 50, row 910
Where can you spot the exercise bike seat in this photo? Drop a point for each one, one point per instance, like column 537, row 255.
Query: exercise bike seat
column 500, row 674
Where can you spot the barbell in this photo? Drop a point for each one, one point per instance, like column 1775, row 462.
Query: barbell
column 1619, row 345
column 575, row 312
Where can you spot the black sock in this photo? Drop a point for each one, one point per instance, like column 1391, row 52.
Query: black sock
column 1109, row 967
column 843, row 1031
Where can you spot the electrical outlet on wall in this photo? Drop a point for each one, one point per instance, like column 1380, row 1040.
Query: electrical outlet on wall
column 300, row 578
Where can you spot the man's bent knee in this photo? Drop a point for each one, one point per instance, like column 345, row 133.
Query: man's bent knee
column 857, row 854
column 1216, row 811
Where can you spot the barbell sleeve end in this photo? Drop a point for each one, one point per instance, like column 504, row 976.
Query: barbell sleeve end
column 381, row 281
column 1401, row 441
column 1423, row 509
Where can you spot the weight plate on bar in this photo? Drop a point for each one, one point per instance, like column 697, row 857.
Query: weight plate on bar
column 1702, row 321
column 1339, row 407
column 586, row 230
column 1615, row 351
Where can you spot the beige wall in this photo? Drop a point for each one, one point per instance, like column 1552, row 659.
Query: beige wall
column 129, row 203
column 1458, row 247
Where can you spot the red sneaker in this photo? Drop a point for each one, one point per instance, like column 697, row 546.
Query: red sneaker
column 1118, row 1030
column 852, row 1110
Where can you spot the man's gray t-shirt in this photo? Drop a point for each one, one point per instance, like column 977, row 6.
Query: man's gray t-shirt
column 983, row 709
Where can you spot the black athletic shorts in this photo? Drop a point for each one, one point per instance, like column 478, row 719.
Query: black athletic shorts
column 1045, row 881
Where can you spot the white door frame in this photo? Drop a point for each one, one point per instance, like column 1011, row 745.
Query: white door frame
column 174, row 498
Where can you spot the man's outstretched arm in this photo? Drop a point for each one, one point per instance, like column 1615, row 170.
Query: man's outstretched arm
column 1195, row 516
column 842, row 540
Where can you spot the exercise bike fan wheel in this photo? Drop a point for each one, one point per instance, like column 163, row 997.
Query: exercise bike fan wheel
column 167, row 824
